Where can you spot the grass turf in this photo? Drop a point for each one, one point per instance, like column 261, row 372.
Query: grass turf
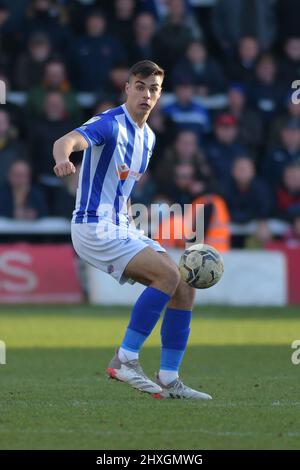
column 54, row 393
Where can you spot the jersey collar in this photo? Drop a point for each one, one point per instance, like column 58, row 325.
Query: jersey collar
column 130, row 118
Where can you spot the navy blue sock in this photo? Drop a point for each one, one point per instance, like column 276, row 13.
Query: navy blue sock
column 175, row 330
column 145, row 315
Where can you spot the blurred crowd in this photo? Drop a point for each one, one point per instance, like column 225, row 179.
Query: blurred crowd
column 228, row 123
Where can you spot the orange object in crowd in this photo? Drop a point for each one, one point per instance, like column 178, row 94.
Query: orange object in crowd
column 176, row 226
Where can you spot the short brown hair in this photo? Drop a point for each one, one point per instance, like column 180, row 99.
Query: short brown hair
column 145, row 68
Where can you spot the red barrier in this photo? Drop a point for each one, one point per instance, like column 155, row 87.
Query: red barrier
column 293, row 269
column 38, row 274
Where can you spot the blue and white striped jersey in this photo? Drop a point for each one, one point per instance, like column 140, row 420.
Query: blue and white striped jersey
column 118, row 154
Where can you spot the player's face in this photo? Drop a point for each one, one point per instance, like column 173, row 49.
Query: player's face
column 143, row 93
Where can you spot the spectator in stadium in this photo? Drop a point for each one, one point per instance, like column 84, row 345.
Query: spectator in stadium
column 182, row 28
column 247, row 196
column 54, row 79
column 44, row 131
column 248, row 120
column 30, row 65
column 266, row 93
column 50, row 17
column 64, row 196
column 233, row 19
column 14, row 110
column 104, row 102
column 185, row 112
column 259, row 240
column 203, row 70
column 93, row 54
column 241, row 67
column 141, row 47
column 289, row 66
column 118, row 76
column 289, row 152
column 178, row 12
column 288, row 14
column 292, row 110
column 17, row 12
column 10, row 147
column 121, row 24
column 158, row 124
column 5, row 38
column 214, row 211
column 288, row 194
column 19, row 199
column 184, row 186
column 224, row 147
column 216, row 220
column 144, row 190
column 184, row 151
column 292, row 236
column 158, row 8
column 78, row 10
column 10, row 31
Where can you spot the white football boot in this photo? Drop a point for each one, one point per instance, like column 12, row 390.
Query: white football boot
column 177, row 389
column 132, row 373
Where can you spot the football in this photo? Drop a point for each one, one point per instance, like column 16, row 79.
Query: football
column 201, row 266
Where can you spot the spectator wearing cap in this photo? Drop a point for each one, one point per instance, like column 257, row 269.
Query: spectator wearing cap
column 54, row 79
column 249, row 121
column 19, row 198
column 288, row 153
column 202, row 70
column 288, row 193
column 29, row 68
column 94, row 54
column 248, row 197
column 224, row 147
column 141, row 47
column 185, row 113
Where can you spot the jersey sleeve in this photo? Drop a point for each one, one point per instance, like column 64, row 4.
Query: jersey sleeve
column 97, row 131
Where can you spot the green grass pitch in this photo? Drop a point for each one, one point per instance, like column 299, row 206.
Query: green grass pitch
column 54, row 393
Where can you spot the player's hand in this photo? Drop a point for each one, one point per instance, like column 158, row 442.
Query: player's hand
column 64, row 169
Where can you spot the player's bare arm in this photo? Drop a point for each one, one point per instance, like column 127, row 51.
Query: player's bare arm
column 63, row 148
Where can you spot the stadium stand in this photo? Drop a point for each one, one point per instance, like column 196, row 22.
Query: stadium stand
column 228, row 88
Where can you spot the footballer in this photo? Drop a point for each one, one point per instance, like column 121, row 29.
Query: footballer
column 118, row 145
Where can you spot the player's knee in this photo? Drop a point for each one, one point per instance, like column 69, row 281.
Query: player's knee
column 185, row 295
column 169, row 278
